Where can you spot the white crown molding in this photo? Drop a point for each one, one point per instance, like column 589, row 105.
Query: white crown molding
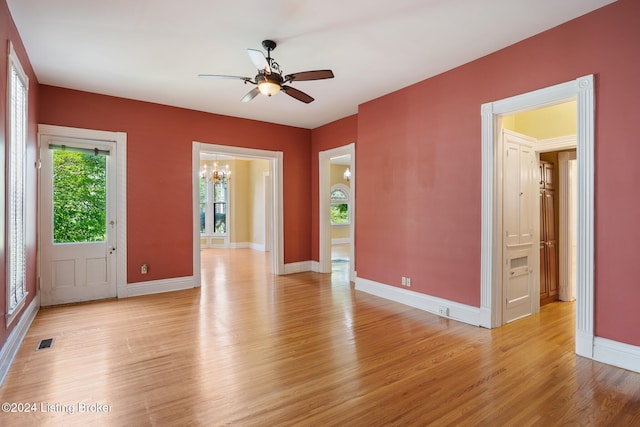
column 555, row 144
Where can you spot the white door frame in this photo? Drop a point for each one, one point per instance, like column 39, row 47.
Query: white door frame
column 324, row 191
column 277, row 205
column 120, row 139
column 582, row 90
column 566, row 291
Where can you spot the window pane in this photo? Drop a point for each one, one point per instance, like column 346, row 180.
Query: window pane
column 15, row 198
column 339, row 213
column 220, row 218
column 202, row 217
column 220, row 192
column 79, row 197
column 203, row 191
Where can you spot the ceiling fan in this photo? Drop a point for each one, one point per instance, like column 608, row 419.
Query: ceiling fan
column 270, row 80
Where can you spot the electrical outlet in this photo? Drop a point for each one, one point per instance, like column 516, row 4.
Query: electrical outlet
column 443, row 311
column 143, row 269
column 408, row 282
column 404, row 281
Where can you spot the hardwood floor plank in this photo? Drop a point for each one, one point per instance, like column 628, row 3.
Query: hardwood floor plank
column 252, row 349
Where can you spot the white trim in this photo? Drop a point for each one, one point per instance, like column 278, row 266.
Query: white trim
column 17, row 335
column 19, row 148
column 120, row 139
column 156, row 286
column 324, row 184
column 567, row 142
column 277, row 206
column 298, row 267
column 581, row 89
column 340, row 241
column 566, row 225
column 195, row 195
column 615, row 353
column 315, row 266
column 248, row 245
column 462, row 312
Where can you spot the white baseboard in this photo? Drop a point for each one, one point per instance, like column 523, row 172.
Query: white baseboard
column 457, row 311
column 315, row 266
column 12, row 345
column 615, row 353
column 340, row 241
column 156, row 287
column 298, row 267
column 248, row 245
column 584, row 344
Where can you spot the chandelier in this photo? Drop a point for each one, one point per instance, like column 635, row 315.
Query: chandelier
column 215, row 175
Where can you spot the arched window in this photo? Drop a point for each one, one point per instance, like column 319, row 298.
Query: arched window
column 340, row 212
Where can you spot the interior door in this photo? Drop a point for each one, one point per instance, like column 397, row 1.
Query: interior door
column 78, row 220
column 519, row 195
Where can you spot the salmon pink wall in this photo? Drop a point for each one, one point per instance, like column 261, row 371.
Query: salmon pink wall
column 423, row 221
column 8, row 32
column 333, row 135
column 159, row 145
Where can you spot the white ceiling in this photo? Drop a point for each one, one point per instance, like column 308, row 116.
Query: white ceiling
column 153, row 50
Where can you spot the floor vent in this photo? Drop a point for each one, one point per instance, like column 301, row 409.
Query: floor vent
column 45, row 344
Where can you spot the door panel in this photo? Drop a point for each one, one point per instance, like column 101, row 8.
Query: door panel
column 518, row 287
column 511, row 193
column 519, row 198
column 78, row 220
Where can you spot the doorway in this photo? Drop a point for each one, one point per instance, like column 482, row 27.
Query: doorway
column 270, row 187
column 81, row 214
column 337, row 177
column 581, row 90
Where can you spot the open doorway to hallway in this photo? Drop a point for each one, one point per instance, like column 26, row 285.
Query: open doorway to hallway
column 337, row 211
column 491, row 291
column 237, row 203
column 340, row 217
column 550, row 132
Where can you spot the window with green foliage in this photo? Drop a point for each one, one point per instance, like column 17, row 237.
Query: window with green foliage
column 339, row 205
column 79, row 197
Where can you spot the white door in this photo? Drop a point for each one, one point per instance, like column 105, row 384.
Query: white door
column 77, row 220
column 519, row 192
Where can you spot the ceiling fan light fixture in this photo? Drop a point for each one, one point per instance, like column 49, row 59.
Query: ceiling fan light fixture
column 269, row 84
column 268, row 88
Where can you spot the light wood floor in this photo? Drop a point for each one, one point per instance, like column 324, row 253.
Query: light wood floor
column 251, row 349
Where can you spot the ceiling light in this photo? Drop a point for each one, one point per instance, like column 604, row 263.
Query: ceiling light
column 216, row 176
column 269, row 84
column 268, row 88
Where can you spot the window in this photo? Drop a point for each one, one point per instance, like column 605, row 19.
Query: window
column 340, row 205
column 79, row 195
column 214, row 200
column 18, row 84
column 220, row 208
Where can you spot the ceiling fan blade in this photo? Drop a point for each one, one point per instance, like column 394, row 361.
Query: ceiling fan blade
column 250, row 95
column 219, row 76
column 259, row 60
column 309, row 75
column 297, row 94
